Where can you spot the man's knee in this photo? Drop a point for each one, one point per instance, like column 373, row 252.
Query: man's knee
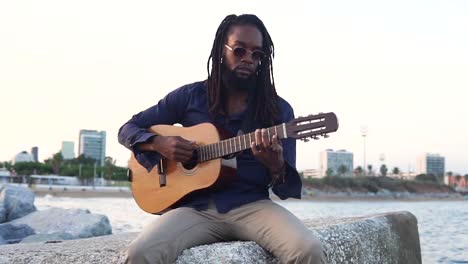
column 312, row 251
column 308, row 250
column 138, row 254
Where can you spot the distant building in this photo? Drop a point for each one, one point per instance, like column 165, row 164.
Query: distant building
column 35, row 154
column 92, row 144
column 68, row 150
column 331, row 161
column 23, row 156
column 431, row 164
column 311, row 173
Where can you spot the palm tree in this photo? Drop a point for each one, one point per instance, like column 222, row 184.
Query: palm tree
column 358, row 171
column 109, row 165
column 342, row 169
column 329, row 172
column 383, row 170
column 55, row 162
column 369, row 168
column 396, row 171
column 458, row 177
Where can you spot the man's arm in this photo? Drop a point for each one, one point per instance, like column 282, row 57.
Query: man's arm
column 287, row 181
column 135, row 136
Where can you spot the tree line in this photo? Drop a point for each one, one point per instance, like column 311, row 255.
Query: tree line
column 83, row 167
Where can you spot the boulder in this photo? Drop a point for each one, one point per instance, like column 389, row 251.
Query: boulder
column 18, row 201
column 14, row 233
column 382, row 238
column 3, row 215
column 50, row 238
column 78, row 223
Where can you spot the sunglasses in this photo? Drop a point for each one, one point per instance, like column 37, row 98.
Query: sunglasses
column 257, row 55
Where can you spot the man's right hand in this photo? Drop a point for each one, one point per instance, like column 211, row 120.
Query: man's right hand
column 172, row 147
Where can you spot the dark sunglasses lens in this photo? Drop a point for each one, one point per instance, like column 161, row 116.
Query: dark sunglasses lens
column 240, row 52
column 258, row 55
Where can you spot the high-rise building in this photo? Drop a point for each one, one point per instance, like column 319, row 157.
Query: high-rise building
column 339, row 163
column 68, row 150
column 35, row 154
column 429, row 163
column 23, row 156
column 92, row 144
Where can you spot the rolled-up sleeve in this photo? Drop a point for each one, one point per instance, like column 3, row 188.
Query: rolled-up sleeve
column 168, row 111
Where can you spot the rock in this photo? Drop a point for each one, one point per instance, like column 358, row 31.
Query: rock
column 14, row 233
column 228, row 252
column 78, row 223
column 18, row 201
column 382, row 238
column 3, row 216
column 50, row 238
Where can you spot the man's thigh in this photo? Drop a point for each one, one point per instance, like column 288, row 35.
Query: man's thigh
column 165, row 238
column 277, row 230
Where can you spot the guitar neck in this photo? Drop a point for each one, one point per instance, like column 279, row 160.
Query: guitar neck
column 236, row 144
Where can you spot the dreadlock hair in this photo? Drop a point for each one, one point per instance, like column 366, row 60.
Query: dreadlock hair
column 266, row 102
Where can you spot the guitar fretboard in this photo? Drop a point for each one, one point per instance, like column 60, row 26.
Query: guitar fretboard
column 236, row 144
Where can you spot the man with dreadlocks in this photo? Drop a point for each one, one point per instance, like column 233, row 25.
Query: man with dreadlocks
column 239, row 96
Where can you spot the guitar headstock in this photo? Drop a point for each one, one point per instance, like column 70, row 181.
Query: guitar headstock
column 312, row 126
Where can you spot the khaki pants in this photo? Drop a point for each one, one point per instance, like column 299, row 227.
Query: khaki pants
column 265, row 222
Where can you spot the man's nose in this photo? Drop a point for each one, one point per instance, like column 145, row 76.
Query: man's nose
column 248, row 57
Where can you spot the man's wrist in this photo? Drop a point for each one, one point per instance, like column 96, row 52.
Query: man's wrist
column 278, row 175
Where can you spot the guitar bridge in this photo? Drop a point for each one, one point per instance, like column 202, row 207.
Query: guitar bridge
column 162, row 172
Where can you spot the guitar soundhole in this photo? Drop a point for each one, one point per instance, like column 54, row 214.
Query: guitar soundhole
column 192, row 162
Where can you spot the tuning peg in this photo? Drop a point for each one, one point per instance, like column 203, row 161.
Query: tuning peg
column 315, row 137
column 305, row 139
column 325, row 135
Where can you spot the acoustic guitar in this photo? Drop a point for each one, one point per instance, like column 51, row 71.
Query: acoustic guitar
column 212, row 164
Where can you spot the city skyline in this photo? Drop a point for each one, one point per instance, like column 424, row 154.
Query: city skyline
column 397, row 67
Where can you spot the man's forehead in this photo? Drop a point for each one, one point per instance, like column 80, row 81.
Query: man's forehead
column 245, row 35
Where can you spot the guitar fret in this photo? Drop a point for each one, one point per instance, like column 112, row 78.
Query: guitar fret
column 284, row 130
column 204, row 153
column 200, row 153
column 230, row 146
column 269, row 137
column 222, row 148
column 276, row 132
column 245, row 145
column 240, row 145
column 250, row 138
column 211, row 151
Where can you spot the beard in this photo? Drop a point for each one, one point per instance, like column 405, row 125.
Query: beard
column 233, row 82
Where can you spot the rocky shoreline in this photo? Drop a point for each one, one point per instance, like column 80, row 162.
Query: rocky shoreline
column 21, row 222
column 308, row 193
column 348, row 194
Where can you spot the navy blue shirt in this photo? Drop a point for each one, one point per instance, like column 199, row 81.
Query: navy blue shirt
column 188, row 106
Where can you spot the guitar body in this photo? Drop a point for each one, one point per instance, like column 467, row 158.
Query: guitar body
column 155, row 198
column 156, row 194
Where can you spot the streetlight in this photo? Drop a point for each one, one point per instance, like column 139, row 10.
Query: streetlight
column 364, row 134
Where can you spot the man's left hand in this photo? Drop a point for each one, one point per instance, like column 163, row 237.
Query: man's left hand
column 270, row 153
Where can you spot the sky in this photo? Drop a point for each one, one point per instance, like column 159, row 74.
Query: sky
column 398, row 68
